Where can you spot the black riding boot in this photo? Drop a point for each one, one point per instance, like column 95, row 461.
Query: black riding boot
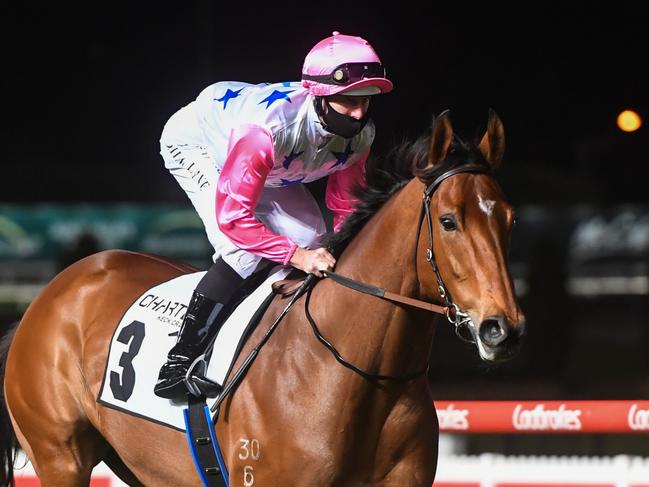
column 208, row 309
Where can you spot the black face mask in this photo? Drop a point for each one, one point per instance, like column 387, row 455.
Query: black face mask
column 337, row 123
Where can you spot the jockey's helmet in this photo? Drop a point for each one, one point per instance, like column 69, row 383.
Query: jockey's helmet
column 344, row 64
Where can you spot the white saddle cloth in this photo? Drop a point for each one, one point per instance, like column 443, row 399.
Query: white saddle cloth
column 148, row 330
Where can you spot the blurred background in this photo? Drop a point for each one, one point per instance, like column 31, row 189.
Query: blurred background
column 86, row 95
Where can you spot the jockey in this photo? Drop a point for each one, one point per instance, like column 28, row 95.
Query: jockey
column 241, row 151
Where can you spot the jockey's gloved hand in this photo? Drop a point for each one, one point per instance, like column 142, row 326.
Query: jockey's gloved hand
column 313, row 261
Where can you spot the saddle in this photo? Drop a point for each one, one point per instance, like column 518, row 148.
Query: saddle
column 287, row 287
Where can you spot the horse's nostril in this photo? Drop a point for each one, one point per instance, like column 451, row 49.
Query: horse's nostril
column 491, row 332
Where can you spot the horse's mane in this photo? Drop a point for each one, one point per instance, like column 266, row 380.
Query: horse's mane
column 387, row 175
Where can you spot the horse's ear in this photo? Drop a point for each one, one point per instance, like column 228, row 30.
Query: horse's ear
column 492, row 144
column 441, row 138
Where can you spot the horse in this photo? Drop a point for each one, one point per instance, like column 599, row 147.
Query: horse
column 432, row 225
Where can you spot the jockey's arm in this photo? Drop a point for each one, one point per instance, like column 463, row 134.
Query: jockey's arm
column 339, row 196
column 239, row 188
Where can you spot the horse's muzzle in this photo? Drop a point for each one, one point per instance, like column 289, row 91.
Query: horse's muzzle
column 499, row 338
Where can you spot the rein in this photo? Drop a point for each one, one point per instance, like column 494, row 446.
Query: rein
column 387, row 295
column 363, row 373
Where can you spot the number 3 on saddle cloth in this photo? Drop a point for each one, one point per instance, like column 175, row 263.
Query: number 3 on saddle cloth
column 148, row 329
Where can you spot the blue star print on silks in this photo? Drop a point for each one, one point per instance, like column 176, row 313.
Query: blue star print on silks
column 341, row 157
column 276, row 95
column 288, row 182
column 290, row 158
column 228, row 96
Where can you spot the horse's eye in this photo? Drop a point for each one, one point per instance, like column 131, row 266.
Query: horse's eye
column 448, row 222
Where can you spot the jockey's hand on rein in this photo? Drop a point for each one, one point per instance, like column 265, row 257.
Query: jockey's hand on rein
column 313, row 261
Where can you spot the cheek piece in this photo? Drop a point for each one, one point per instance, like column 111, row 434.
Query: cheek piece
column 337, row 123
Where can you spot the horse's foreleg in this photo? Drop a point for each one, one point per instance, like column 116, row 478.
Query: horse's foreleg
column 407, row 451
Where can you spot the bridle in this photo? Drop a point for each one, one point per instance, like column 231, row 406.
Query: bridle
column 455, row 315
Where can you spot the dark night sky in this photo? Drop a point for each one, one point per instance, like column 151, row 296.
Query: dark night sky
column 86, row 93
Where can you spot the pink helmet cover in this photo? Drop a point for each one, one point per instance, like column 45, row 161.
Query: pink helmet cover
column 335, row 51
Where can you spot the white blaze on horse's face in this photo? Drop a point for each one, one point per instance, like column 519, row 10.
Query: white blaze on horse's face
column 486, row 205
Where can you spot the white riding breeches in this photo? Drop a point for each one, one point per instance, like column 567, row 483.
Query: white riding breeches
column 290, row 211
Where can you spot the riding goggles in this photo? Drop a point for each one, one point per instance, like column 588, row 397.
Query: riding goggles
column 348, row 73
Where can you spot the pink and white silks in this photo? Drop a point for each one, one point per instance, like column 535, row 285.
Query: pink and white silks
column 244, row 178
column 241, row 184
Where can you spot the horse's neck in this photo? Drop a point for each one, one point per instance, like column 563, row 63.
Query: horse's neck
column 383, row 255
column 383, row 251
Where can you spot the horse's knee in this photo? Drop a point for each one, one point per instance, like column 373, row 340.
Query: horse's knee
column 65, row 457
column 61, row 472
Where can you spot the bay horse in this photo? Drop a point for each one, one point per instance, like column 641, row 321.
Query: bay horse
column 298, row 418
